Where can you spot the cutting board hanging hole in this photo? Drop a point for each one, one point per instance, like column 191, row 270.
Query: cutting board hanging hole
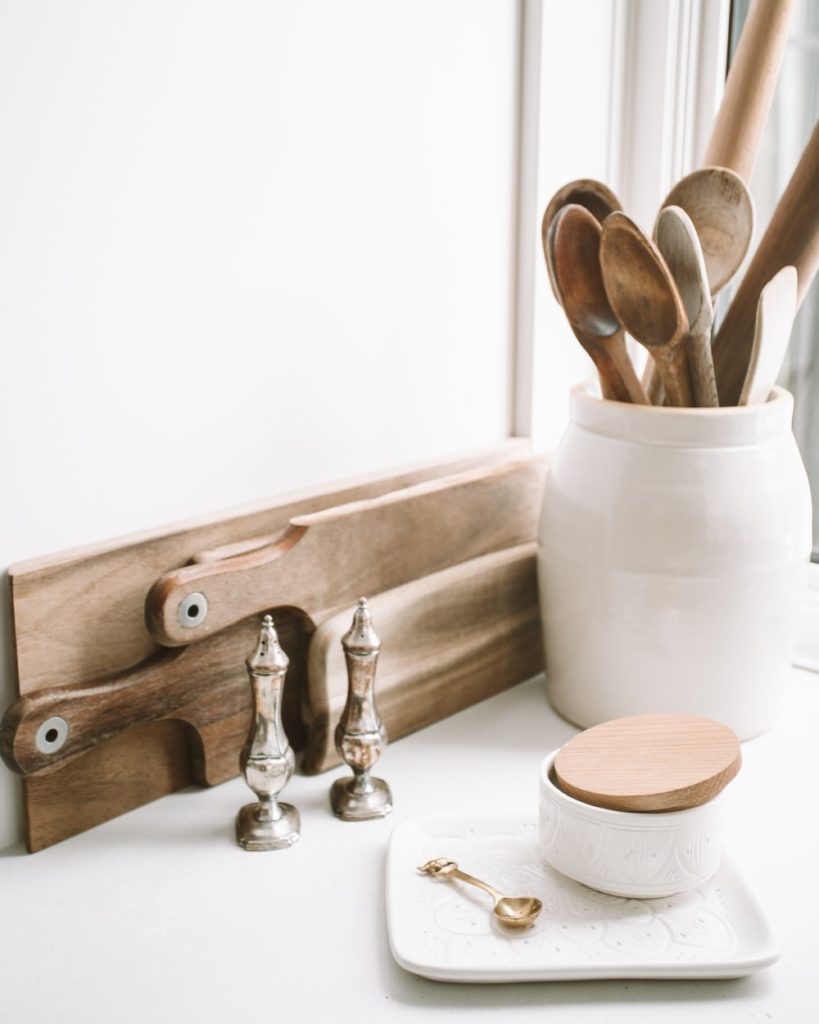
column 193, row 610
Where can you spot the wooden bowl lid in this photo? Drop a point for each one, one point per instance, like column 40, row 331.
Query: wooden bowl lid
column 649, row 763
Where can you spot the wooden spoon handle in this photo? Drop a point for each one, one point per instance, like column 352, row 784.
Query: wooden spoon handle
column 672, row 365
column 615, row 346
column 612, row 385
column 792, row 237
column 701, row 362
column 653, row 383
column 750, row 88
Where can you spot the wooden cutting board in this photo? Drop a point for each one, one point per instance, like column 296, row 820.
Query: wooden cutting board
column 449, row 640
column 79, row 623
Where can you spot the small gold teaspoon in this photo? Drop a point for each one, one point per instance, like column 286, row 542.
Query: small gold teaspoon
column 512, row 911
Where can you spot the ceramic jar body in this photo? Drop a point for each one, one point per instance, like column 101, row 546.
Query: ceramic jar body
column 640, row 856
column 672, row 561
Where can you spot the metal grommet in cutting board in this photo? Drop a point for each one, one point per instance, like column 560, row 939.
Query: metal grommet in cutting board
column 649, row 763
column 52, row 735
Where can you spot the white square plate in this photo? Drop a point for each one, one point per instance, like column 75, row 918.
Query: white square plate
column 444, row 930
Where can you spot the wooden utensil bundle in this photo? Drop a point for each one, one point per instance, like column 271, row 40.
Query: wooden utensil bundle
column 660, row 290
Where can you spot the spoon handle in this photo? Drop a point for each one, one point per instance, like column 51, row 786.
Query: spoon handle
column 611, row 386
column 652, row 382
column 615, row 346
column 464, row 877
column 701, row 363
column 672, row 365
column 618, row 381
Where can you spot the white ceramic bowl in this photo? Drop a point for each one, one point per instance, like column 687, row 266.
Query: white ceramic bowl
column 645, row 855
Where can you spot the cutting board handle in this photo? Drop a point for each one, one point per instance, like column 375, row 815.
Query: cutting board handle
column 332, row 557
column 47, row 729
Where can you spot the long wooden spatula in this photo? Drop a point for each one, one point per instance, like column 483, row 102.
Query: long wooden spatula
column 792, row 238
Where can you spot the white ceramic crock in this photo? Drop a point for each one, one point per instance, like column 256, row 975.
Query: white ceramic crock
column 672, row 561
column 643, row 856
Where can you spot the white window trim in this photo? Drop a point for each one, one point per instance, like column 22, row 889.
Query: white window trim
column 529, row 98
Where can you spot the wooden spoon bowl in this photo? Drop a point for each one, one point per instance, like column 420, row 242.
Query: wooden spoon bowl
column 593, row 195
column 645, row 300
column 677, row 240
column 574, row 257
column 721, row 208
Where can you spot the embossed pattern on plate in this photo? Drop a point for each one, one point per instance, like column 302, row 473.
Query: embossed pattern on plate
column 442, row 930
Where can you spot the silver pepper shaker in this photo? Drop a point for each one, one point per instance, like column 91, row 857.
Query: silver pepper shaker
column 267, row 761
column 360, row 734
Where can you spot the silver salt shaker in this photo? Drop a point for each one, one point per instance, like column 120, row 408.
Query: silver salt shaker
column 360, row 734
column 267, row 761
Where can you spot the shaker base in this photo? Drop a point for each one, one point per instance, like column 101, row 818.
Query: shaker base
column 257, row 833
column 350, row 805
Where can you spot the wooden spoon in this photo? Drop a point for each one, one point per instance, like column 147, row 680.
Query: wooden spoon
column 574, row 255
column 596, row 197
column 721, row 208
column 775, row 314
column 645, row 300
column 649, row 763
column 677, row 240
column 791, row 238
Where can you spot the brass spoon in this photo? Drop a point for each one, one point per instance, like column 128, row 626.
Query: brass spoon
column 645, row 300
column 596, row 197
column 677, row 240
column 573, row 255
column 512, row 911
column 721, row 208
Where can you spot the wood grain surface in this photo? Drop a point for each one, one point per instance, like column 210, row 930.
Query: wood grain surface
column 791, row 238
column 677, row 240
column 721, row 208
column 645, row 300
column 330, row 558
column 774, row 322
column 649, row 763
column 573, row 255
column 449, row 640
column 78, row 620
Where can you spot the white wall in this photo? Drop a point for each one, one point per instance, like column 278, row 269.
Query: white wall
column 244, row 246
column 249, row 245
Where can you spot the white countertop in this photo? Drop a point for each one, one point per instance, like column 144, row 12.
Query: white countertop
column 159, row 916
